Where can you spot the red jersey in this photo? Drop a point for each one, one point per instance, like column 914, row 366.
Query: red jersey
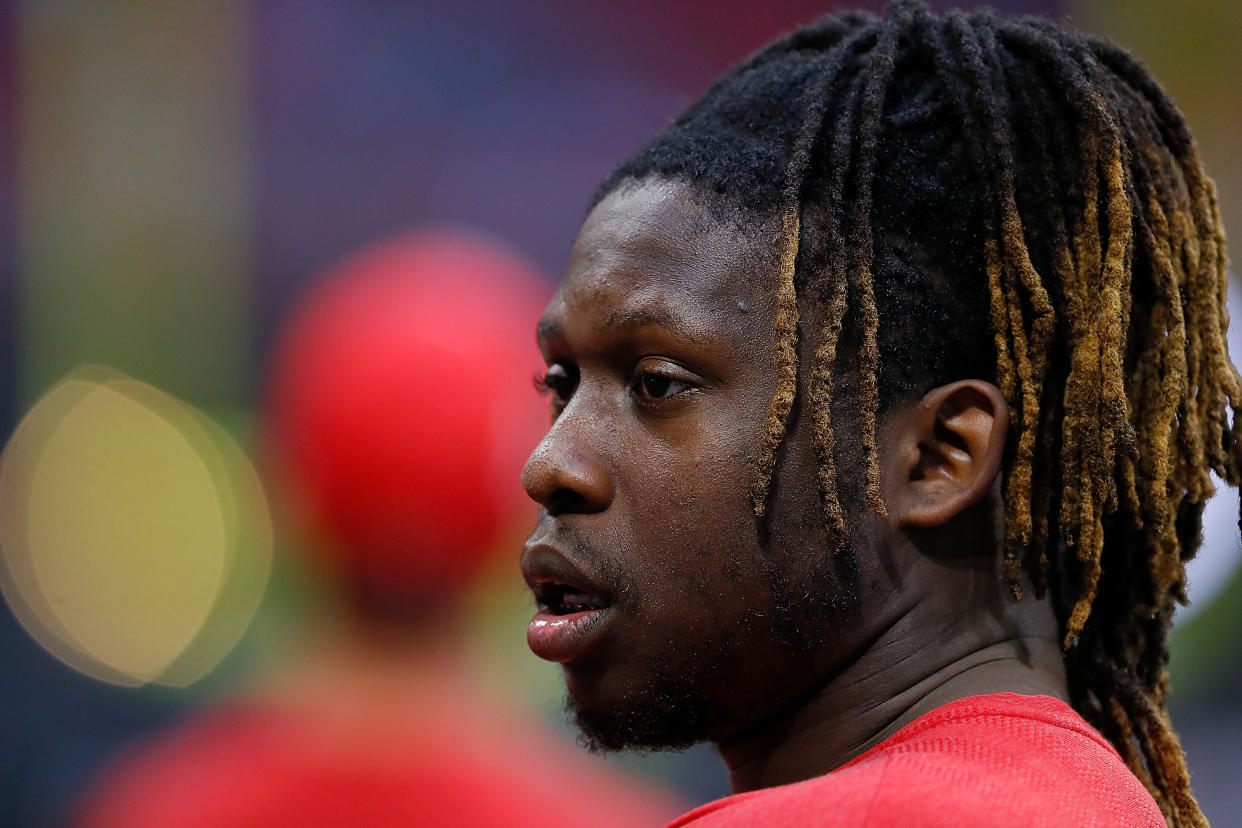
column 997, row 760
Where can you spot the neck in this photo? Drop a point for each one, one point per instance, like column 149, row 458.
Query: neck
column 914, row 665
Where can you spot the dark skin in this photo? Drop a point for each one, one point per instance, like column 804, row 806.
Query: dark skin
column 659, row 345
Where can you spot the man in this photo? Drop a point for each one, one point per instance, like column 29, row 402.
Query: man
column 886, row 384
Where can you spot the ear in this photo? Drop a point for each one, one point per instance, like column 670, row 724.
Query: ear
column 945, row 452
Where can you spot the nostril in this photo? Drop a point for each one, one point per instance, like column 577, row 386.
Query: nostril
column 565, row 501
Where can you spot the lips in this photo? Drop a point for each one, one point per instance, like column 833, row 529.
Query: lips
column 573, row 610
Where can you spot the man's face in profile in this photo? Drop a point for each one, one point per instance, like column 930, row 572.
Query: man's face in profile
column 675, row 614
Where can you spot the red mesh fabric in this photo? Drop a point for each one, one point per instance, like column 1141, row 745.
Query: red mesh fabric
column 998, row 761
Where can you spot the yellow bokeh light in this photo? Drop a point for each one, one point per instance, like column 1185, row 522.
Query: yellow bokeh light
column 135, row 534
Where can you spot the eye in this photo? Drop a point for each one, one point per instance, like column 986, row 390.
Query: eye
column 558, row 382
column 657, row 380
column 658, row 386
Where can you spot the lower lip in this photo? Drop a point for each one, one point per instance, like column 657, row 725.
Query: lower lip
column 563, row 638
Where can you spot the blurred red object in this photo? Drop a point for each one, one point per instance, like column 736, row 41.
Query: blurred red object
column 400, row 409
column 259, row 767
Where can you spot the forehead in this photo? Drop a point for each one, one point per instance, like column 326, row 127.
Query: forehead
column 654, row 253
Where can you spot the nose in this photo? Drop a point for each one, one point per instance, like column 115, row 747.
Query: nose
column 565, row 473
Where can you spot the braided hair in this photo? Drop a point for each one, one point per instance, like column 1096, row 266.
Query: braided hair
column 974, row 196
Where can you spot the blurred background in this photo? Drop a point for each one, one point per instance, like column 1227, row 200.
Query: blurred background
column 174, row 177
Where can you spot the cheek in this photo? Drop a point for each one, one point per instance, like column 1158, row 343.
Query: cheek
column 692, row 525
column 707, row 460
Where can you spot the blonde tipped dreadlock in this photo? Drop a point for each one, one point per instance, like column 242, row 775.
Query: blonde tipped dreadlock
column 932, row 175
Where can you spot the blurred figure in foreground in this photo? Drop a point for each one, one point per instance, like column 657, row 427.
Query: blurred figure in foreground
column 398, row 415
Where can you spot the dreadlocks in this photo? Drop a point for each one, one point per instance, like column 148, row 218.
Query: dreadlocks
column 929, row 173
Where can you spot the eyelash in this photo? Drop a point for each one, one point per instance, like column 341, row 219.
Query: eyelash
column 636, row 387
column 548, row 385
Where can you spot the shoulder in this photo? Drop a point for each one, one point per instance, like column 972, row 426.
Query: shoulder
column 1002, row 760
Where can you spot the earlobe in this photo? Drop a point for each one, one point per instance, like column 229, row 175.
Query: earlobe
column 945, row 452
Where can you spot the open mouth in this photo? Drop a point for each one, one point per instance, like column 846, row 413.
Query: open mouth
column 565, row 599
column 574, row 612
column 568, row 623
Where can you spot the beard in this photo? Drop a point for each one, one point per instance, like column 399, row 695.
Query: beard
column 670, row 711
column 665, row 717
column 685, row 698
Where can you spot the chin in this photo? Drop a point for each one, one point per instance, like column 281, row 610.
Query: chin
column 663, row 722
column 670, row 691
column 671, row 704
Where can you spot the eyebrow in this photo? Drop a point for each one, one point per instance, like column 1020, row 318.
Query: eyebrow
column 628, row 319
column 548, row 329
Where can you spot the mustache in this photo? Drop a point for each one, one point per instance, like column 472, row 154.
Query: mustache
column 589, row 555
